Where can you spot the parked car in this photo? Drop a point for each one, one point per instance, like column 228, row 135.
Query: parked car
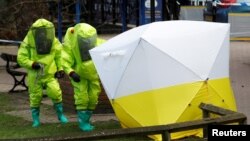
column 217, row 11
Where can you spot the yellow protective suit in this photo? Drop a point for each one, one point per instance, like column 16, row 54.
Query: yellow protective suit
column 44, row 77
column 86, row 91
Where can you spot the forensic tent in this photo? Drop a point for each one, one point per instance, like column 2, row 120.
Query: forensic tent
column 159, row 73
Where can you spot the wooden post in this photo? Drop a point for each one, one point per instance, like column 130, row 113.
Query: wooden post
column 243, row 122
column 166, row 136
column 205, row 114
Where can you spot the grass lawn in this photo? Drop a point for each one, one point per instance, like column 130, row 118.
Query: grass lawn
column 17, row 127
column 14, row 127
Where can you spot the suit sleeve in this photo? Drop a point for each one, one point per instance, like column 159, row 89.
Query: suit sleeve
column 68, row 58
column 58, row 55
column 23, row 55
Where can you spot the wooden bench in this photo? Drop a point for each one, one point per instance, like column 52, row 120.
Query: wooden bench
column 15, row 71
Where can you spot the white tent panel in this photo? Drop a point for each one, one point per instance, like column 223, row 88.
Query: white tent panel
column 145, row 71
column 135, row 78
column 129, row 63
column 111, row 57
column 221, row 65
column 110, row 64
column 196, row 49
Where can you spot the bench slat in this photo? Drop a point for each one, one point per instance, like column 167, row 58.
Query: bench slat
column 14, row 70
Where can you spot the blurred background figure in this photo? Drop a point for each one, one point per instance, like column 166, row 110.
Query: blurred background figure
column 173, row 9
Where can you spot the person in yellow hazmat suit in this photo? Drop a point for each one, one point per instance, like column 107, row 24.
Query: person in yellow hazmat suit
column 40, row 54
column 77, row 63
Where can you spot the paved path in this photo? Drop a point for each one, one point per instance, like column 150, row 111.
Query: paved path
column 239, row 74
